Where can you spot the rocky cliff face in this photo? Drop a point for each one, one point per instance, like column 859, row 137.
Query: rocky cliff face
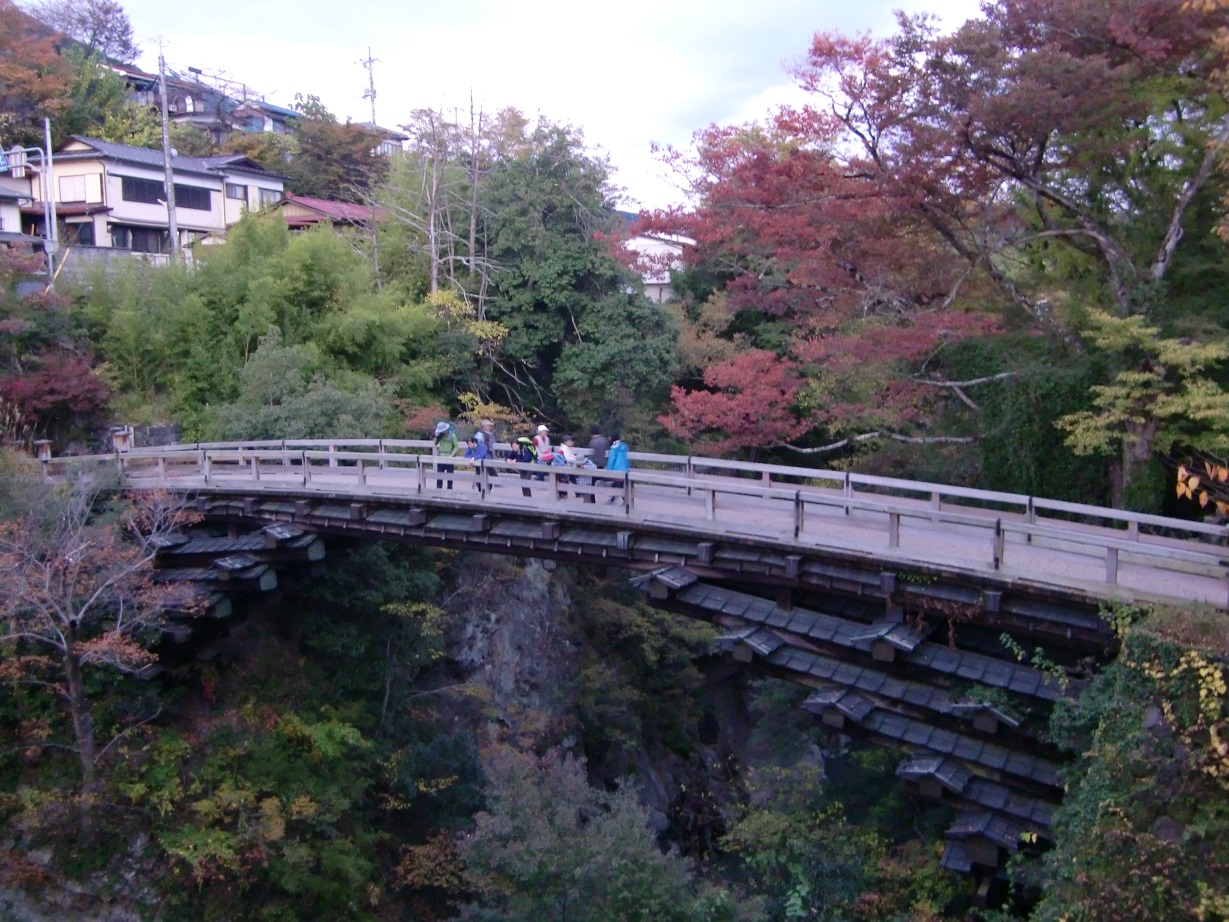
column 514, row 637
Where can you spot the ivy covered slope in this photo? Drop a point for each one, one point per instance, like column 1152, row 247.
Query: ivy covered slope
column 1142, row 833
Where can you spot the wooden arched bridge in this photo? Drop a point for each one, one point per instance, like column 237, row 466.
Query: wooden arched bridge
column 911, row 610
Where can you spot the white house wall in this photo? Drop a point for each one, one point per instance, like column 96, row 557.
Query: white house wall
column 235, row 208
column 10, row 209
column 124, row 212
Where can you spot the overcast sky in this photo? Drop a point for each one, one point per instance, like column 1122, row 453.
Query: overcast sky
column 628, row 73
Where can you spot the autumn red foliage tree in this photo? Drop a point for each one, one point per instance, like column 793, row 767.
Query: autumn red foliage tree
column 1042, row 159
column 77, row 593
column 46, row 368
column 752, row 395
column 34, row 80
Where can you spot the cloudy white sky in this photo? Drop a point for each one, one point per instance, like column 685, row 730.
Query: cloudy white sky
column 628, row 73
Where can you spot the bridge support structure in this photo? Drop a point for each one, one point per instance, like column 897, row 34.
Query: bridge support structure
column 895, row 655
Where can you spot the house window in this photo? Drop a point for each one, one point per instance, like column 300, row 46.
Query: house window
column 234, row 190
column 78, row 234
column 149, row 191
column 269, row 197
column 193, row 197
column 149, row 240
column 139, row 239
column 72, row 188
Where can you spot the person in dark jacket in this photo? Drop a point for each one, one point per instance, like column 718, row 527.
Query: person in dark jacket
column 522, row 452
column 598, row 446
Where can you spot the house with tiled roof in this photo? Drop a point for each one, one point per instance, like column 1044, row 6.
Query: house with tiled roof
column 113, row 196
column 303, row 211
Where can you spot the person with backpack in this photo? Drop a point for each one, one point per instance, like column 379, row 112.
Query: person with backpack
column 522, row 452
column 541, row 445
column 446, row 446
column 617, row 460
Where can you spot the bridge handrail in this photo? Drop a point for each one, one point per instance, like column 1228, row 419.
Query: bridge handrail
column 690, row 466
column 266, row 461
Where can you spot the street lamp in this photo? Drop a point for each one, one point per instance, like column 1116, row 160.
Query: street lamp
column 17, row 160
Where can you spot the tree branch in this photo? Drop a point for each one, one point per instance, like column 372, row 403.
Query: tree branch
column 1173, row 235
column 868, row 436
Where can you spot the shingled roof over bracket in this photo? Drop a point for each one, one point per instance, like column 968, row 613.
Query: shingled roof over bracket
column 952, row 775
column 761, row 641
column 852, row 705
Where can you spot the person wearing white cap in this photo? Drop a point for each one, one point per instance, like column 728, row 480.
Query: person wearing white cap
column 541, row 441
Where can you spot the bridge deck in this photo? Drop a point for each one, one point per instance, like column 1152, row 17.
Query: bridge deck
column 1102, row 553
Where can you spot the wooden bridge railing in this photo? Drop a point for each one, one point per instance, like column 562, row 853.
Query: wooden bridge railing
column 956, row 526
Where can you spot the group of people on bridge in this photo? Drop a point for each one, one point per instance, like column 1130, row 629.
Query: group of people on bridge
column 603, row 453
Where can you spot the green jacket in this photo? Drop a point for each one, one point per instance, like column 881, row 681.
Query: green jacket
column 448, row 445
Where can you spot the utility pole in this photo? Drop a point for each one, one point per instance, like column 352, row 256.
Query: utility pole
column 47, row 182
column 171, row 219
column 370, row 92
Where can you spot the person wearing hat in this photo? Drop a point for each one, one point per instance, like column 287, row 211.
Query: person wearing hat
column 541, row 444
column 446, row 446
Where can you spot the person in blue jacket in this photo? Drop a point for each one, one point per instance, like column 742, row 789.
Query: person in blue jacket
column 616, row 459
column 475, row 450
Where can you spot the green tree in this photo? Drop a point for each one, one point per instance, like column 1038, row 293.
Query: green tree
column 284, row 395
column 1165, row 394
column 550, row 847
column 578, row 343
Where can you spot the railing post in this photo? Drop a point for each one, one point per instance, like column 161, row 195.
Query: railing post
column 766, row 477
column 332, row 455
column 207, row 463
column 1030, row 516
column 307, row 468
column 1133, row 531
column 484, row 479
column 628, row 500
column 383, row 454
column 255, row 467
column 999, row 543
column 710, row 504
column 1111, row 565
column 798, row 511
column 847, row 490
column 893, row 529
column 691, row 470
column 162, row 467
column 362, row 472
column 936, row 501
column 422, row 473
